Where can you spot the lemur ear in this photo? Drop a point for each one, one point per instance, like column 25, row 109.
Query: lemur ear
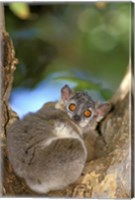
column 102, row 110
column 66, row 92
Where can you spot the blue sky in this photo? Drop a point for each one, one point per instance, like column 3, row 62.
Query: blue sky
column 24, row 100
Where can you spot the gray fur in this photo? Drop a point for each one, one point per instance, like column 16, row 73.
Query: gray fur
column 46, row 148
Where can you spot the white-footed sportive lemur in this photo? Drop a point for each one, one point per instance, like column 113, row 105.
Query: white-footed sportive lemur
column 49, row 148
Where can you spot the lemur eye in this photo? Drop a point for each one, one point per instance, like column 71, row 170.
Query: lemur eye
column 72, row 107
column 87, row 113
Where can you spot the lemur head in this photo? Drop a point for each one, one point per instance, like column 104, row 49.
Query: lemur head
column 81, row 108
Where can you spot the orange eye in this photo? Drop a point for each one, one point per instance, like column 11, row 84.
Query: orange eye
column 72, row 107
column 87, row 113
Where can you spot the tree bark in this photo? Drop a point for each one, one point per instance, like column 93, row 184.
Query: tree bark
column 106, row 177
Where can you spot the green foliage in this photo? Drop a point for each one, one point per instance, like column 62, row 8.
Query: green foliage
column 20, row 9
column 83, row 84
column 92, row 37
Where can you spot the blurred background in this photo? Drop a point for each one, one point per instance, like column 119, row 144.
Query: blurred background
column 85, row 45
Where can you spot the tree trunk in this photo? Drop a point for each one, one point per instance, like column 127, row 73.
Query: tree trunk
column 106, row 177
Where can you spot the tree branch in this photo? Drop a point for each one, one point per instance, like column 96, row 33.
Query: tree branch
column 106, row 177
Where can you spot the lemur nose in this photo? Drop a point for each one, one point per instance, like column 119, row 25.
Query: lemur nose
column 76, row 117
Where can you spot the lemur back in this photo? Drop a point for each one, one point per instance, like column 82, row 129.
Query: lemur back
column 47, row 148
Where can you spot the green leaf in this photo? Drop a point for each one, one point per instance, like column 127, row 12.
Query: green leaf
column 21, row 10
column 82, row 84
column 106, row 93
